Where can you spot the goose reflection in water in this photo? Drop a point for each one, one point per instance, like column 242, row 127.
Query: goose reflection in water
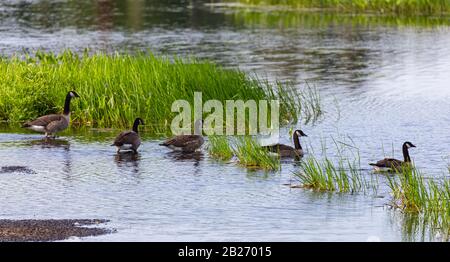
column 194, row 157
column 50, row 143
column 128, row 159
column 45, row 146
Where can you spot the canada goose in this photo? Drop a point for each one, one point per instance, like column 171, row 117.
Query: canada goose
column 395, row 164
column 129, row 140
column 51, row 124
column 186, row 143
column 288, row 151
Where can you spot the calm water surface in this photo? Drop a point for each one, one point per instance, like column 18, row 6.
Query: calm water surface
column 382, row 80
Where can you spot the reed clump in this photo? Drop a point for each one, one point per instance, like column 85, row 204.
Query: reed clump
column 220, row 148
column 325, row 175
column 115, row 88
column 251, row 155
column 340, row 173
column 412, row 193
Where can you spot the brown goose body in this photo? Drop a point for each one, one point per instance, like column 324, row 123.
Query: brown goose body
column 129, row 140
column 284, row 150
column 392, row 164
column 49, row 124
column 288, row 151
column 53, row 123
column 186, row 143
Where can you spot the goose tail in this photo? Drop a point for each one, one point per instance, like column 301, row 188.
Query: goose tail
column 372, row 164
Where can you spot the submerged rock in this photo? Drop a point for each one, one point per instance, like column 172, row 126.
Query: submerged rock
column 16, row 169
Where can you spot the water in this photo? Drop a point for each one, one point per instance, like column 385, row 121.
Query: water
column 382, row 80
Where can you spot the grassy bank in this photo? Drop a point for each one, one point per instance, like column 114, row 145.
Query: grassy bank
column 406, row 7
column 116, row 88
column 322, row 20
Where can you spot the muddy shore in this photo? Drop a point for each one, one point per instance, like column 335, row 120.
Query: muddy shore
column 49, row 230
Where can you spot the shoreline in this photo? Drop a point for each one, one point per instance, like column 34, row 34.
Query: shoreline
column 24, row 230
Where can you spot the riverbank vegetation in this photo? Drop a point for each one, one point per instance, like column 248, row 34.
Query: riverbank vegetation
column 293, row 19
column 405, row 7
column 116, row 88
column 429, row 198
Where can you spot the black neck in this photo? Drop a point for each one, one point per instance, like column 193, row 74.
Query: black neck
column 296, row 141
column 406, row 154
column 67, row 104
column 135, row 125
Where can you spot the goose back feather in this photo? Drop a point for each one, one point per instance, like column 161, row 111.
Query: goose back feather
column 127, row 140
column 186, row 143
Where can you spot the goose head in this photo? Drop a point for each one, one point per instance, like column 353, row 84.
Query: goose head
column 299, row 133
column 139, row 121
column 72, row 94
column 408, row 145
column 69, row 96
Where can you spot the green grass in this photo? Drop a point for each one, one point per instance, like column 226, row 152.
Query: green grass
column 409, row 7
column 412, row 193
column 324, row 175
column 220, row 148
column 116, row 88
column 248, row 151
column 251, row 155
column 341, row 173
